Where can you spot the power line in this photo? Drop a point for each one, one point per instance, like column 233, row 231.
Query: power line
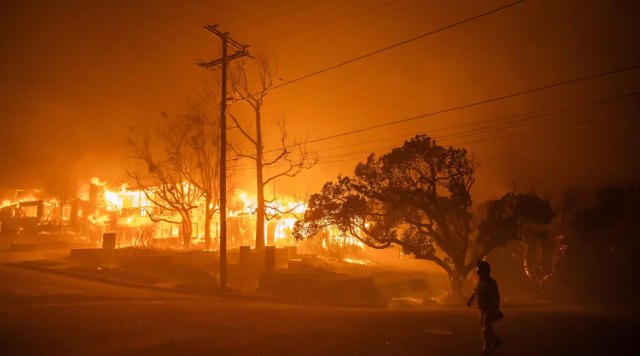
column 549, row 128
column 504, row 136
column 366, row 86
column 343, row 94
column 510, row 125
column 546, row 112
column 398, row 44
column 485, row 129
column 254, row 11
column 500, row 126
column 281, row 79
column 281, row 15
column 326, row 22
column 475, row 104
column 480, row 130
column 334, row 92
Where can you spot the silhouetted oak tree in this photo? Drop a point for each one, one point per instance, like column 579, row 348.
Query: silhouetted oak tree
column 416, row 196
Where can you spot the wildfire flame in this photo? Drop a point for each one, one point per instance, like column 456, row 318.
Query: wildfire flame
column 127, row 211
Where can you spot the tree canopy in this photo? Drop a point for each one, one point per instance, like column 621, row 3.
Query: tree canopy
column 524, row 218
column 417, row 196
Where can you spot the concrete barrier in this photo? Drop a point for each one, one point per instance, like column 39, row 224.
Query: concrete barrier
column 245, row 257
column 282, row 259
column 270, row 259
column 109, row 241
column 292, row 251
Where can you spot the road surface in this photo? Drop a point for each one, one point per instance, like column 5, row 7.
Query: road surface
column 43, row 314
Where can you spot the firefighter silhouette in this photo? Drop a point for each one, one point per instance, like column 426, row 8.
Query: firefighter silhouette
column 486, row 292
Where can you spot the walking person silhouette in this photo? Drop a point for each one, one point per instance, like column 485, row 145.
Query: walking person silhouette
column 486, row 292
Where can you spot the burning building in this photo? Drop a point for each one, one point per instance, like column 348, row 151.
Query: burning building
column 134, row 215
column 30, row 211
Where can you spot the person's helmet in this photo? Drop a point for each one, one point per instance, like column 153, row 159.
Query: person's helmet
column 484, row 267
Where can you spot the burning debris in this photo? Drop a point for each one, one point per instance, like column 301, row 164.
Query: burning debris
column 358, row 262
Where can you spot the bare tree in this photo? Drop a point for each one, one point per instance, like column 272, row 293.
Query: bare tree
column 290, row 157
column 164, row 181
column 293, row 205
column 201, row 165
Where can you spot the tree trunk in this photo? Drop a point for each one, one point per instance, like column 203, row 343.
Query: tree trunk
column 207, row 231
column 455, row 294
column 260, row 238
column 208, row 215
column 532, row 266
column 186, row 234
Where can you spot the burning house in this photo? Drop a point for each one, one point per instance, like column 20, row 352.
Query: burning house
column 136, row 218
column 30, row 211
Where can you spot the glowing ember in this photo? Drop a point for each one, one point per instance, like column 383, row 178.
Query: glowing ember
column 358, row 262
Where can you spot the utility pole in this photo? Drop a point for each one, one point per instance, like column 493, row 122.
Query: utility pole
column 240, row 51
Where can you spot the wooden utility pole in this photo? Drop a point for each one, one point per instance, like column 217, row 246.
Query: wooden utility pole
column 240, row 51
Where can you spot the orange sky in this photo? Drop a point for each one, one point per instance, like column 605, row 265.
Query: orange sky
column 76, row 74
